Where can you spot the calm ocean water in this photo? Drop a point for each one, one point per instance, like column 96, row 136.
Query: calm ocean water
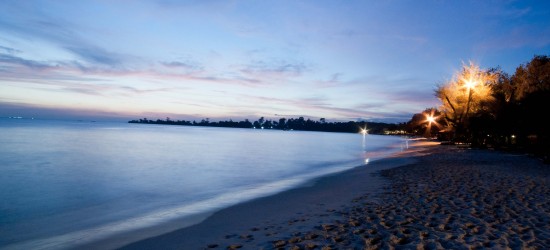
column 68, row 183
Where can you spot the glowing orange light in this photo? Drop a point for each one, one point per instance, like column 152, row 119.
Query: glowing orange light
column 430, row 119
column 470, row 84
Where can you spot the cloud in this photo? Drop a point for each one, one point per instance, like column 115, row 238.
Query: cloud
column 367, row 112
column 20, row 69
column 97, row 61
column 65, row 77
column 8, row 109
column 318, row 105
column 177, row 64
column 334, row 80
column 95, row 55
column 274, row 68
column 101, row 89
column 63, row 35
column 186, row 65
column 10, row 59
column 83, row 90
column 10, row 51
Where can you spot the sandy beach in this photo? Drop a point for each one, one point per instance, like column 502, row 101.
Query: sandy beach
column 431, row 196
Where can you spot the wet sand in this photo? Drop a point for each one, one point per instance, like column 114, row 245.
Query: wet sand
column 429, row 197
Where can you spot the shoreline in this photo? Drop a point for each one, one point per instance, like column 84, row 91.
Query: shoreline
column 316, row 196
column 431, row 196
column 119, row 232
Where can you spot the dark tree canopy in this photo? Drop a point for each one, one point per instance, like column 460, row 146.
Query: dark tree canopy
column 508, row 112
column 287, row 124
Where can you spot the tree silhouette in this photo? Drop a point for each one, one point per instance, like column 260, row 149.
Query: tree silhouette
column 489, row 107
column 469, row 92
column 287, row 124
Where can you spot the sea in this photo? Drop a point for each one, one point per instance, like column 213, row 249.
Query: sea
column 69, row 183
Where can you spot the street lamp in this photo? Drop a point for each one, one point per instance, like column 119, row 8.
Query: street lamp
column 430, row 119
column 364, row 132
column 470, row 89
column 469, row 84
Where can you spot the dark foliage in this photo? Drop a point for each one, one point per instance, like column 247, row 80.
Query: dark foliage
column 516, row 118
column 286, row 124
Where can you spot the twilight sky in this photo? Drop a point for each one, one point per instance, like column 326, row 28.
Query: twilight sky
column 341, row 60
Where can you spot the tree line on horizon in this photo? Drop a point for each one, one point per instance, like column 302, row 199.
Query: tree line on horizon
column 490, row 108
column 300, row 123
column 480, row 107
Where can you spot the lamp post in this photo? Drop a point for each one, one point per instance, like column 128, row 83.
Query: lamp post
column 364, row 132
column 470, row 84
column 466, row 93
column 430, row 119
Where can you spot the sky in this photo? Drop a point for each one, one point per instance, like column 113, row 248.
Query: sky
column 339, row 60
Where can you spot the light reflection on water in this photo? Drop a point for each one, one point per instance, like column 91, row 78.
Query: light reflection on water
column 60, row 178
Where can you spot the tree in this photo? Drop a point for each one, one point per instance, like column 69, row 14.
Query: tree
column 267, row 124
column 282, row 123
column 427, row 123
column 531, row 85
column 532, row 77
column 469, row 92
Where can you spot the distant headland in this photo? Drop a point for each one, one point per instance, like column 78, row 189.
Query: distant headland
column 290, row 124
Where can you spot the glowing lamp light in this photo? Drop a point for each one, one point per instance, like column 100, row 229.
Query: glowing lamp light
column 470, row 84
column 363, row 131
column 430, row 119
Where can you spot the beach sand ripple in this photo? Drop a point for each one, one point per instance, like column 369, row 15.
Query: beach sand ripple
column 445, row 197
column 450, row 199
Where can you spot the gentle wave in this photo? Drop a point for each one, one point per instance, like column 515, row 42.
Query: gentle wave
column 87, row 182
